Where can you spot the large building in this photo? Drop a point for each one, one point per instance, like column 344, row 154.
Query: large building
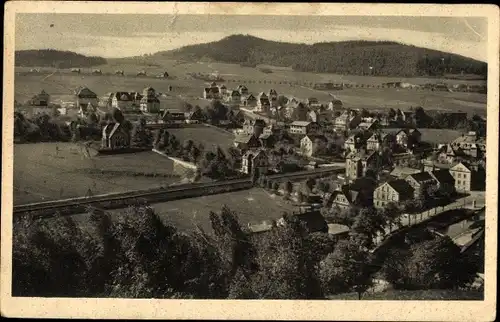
column 122, row 101
column 420, row 182
column 395, row 191
column 304, row 127
column 356, row 164
column 149, row 102
column 114, row 136
column 311, row 144
column 255, row 162
column 471, row 144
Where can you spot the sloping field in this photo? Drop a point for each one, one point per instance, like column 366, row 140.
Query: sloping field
column 61, row 84
column 210, row 137
column 252, row 206
column 41, row 172
column 439, row 136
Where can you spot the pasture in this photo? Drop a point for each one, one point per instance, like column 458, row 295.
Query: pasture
column 210, row 137
column 61, row 84
column 41, row 172
column 440, row 136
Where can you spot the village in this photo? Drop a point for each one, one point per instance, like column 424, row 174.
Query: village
column 386, row 158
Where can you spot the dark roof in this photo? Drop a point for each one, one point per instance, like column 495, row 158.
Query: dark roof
column 362, row 184
column 443, row 176
column 259, row 122
column 123, row 96
column 421, row 176
column 314, row 221
column 313, row 137
column 243, row 138
column 401, row 186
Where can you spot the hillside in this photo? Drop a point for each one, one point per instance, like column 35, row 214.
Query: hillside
column 346, row 57
column 55, row 58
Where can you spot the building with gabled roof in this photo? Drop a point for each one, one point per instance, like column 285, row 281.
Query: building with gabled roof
column 304, row 127
column 395, row 191
column 255, row 161
column 420, row 182
column 123, row 101
column 114, row 136
column 402, row 172
column 313, row 144
column 246, row 142
column 445, row 181
column 357, row 163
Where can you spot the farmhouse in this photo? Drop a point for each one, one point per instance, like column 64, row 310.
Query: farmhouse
column 255, row 127
column 420, row 182
column 348, row 120
column 211, row 93
column 233, row 97
column 249, row 100
column 173, row 117
column 356, row 163
column 255, row 162
column 304, row 127
column 470, row 144
column 335, row 104
column 378, row 140
column 122, row 101
column 311, row 144
column 445, row 181
column 149, row 102
column 263, row 103
column 84, row 96
column 395, row 191
column 114, row 136
column 242, row 89
column 246, row 142
column 41, row 99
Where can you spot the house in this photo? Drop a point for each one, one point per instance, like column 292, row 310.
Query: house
column 249, row 100
column 313, row 116
column 470, row 144
column 356, row 141
column 335, row 104
column 194, row 116
column 403, row 172
column 233, row 97
column 356, row 163
column 404, row 136
column 358, row 193
column 84, row 96
column 114, row 136
column 255, row 127
column 273, row 97
column 313, row 102
column 149, row 102
column 255, row 162
column 378, row 140
column 396, row 191
column 420, row 182
column 211, row 93
column 136, row 97
column 304, row 127
column 41, row 99
column 445, row 181
column 450, row 154
column 223, row 89
column 348, row 120
column 242, row 89
column 263, row 103
column 246, row 142
column 465, row 177
column 311, row 144
column 369, row 125
column 122, row 101
column 173, row 117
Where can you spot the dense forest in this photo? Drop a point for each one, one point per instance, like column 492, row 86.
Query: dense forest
column 55, row 58
column 346, row 57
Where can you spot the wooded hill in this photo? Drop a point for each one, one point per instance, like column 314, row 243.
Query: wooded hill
column 346, row 57
column 55, row 58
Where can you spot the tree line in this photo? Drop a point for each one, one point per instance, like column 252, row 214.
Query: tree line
column 139, row 255
column 55, row 58
column 346, row 57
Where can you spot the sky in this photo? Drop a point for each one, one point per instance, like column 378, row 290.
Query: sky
column 125, row 35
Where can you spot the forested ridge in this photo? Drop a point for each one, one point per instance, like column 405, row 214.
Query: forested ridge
column 55, row 58
column 346, row 57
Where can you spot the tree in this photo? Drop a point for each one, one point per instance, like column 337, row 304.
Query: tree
column 391, row 114
column 288, row 187
column 429, row 262
column 140, row 136
column 346, row 268
column 275, row 186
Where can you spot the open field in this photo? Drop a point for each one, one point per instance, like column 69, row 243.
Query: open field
column 439, row 136
column 210, row 137
column 42, row 173
column 252, row 206
column 60, row 85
